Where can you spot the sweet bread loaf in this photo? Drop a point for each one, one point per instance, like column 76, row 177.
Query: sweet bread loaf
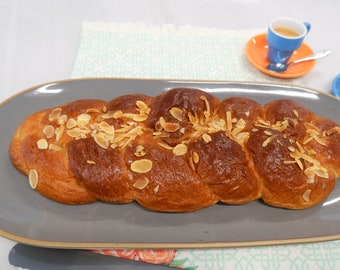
column 180, row 151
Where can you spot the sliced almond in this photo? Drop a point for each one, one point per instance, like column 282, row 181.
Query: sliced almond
column 306, row 195
column 141, row 166
column 229, row 120
column 83, row 119
column 141, row 183
column 195, row 157
column 180, row 149
column 140, row 151
column 310, row 180
column 155, row 190
column 101, row 140
column 268, row 132
column 313, row 131
column 78, row 132
column 165, row 145
column 33, row 178
column 93, row 110
column 207, row 105
column 71, row 123
column 168, row 126
column 307, row 158
column 54, row 147
column 291, row 149
column 141, row 105
column 59, row 132
column 296, row 113
column 321, row 141
column 206, row 138
column 192, row 164
column 289, row 162
column 54, row 115
column 268, row 140
column 48, row 131
column 62, row 119
column 140, row 117
column 177, row 113
column 109, row 115
column 193, row 118
column 322, row 172
column 107, row 128
column 333, row 130
column 307, row 140
column 299, row 163
column 42, row 144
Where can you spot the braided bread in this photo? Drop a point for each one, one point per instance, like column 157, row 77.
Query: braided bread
column 180, row 151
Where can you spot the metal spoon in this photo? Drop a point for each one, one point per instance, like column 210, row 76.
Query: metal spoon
column 280, row 67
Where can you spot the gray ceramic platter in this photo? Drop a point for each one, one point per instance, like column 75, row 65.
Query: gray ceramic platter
column 29, row 218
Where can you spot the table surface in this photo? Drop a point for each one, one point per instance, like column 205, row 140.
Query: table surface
column 40, row 39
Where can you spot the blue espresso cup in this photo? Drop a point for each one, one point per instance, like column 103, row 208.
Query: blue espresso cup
column 284, row 36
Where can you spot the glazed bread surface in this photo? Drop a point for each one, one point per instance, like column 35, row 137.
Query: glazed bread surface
column 180, row 151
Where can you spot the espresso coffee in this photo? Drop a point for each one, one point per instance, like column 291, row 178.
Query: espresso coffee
column 286, row 32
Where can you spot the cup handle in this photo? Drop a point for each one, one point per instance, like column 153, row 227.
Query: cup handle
column 308, row 26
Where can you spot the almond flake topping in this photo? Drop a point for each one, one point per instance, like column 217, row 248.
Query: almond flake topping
column 141, row 166
column 168, row 126
column 306, row 195
column 105, row 127
column 296, row 113
column 42, row 144
column 139, row 117
column 54, row 147
column 78, row 132
column 180, row 149
column 206, row 138
column 229, row 120
column 310, row 166
column 268, row 140
column 141, row 105
column 83, row 119
column 195, row 157
column 62, row 119
column 176, row 113
column 33, row 178
column 54, row 115
column 48, row 131
column 333, row 130
column 191, row 163
column 101, row 140
column 141, row 183
column 59, row 131
column 165, row 146
column 155, row 190
column 207, row 105
column 71, row 123
column 140, row 151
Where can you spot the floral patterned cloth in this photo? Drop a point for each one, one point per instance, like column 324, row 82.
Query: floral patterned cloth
column 139, row 51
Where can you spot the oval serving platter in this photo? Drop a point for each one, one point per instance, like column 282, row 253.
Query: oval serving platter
column 29, row 218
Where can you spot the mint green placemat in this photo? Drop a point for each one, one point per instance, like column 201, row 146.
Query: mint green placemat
column 138, row 51
column 168, row 52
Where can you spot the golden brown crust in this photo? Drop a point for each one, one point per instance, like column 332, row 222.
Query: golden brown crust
column 180, row 151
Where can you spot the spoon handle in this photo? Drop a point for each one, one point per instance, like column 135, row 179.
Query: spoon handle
column 313, row 56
